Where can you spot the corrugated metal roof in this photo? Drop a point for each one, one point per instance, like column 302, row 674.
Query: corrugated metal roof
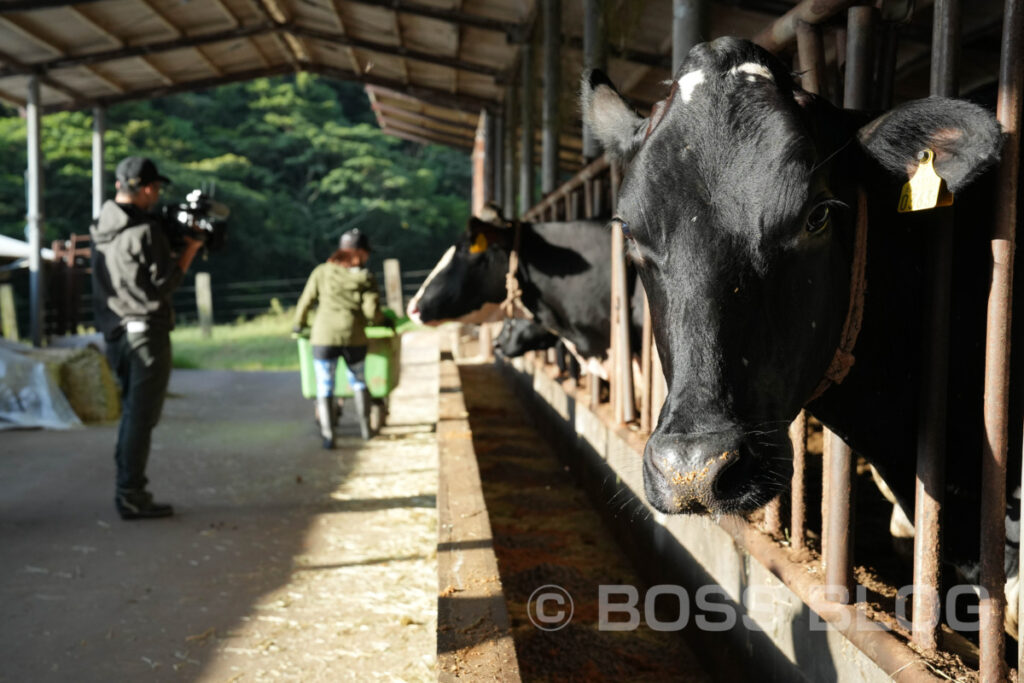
column 429, row 66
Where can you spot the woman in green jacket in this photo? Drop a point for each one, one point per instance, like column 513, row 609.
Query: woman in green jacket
column 347, row 301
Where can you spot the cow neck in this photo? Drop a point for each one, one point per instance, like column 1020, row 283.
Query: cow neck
column 843, row 359
column 513, row 303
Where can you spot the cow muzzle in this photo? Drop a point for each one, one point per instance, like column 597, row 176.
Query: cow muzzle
column 718, row 473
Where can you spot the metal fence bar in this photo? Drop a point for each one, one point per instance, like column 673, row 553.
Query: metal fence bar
column 931, row 447
column 997, row 351
column 798, row 506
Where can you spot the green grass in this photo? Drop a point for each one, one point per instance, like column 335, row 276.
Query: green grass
column 263, row 343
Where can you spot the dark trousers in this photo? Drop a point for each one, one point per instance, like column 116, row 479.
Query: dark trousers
column 142, row 361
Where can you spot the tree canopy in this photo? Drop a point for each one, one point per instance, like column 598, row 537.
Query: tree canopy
column 298, row 159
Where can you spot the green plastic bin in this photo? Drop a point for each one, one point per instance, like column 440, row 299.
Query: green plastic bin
column 383, row 362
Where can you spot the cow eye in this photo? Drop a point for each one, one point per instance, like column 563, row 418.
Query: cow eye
column 624, row 227
column 818, row 219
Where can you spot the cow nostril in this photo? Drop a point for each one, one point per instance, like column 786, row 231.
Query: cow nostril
column 733, row 475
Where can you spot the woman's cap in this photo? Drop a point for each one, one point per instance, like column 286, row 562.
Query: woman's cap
column 354, row 239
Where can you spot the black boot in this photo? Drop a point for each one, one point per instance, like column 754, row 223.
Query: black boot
column 140, row 505
column 362, row 400
column 325, row 407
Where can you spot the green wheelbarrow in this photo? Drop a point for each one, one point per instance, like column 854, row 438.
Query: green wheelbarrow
column 382, row 369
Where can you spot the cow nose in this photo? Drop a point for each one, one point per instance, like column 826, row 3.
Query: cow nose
column 687, row 474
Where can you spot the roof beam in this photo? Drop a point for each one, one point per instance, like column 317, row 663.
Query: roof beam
column 413, row 127
column 70, row 93
column 398, row 33
column 164, row 19
column 356, row 66
column 514, row 31
column 66, row 61
column 292, row 48
column 164, row 91
column 376, row 105
column 398, row 51
column 442, row 98
column 141, row 50
column 428, row 140
column 59, row 51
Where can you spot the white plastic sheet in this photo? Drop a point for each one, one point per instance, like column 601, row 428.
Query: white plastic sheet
column 29, row 396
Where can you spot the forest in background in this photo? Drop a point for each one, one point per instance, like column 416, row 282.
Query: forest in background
column 299, row 160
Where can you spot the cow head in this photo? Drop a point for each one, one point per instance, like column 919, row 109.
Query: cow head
column 739, row 208
column 468, row 283
column 519, row 335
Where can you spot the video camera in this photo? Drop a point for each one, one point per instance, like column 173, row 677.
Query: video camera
column 199, row 217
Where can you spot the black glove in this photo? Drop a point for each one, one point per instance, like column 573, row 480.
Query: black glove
column 297, row 331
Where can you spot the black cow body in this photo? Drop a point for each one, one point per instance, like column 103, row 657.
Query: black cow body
column 741, row 202
column 564, row 273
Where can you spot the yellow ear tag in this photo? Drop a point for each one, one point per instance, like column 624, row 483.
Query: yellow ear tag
column 479, row 245
column 926, row 189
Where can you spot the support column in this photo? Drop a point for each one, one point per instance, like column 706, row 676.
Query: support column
column 526, row 122
column 497, row 150
column 509, row 190
column 595, row 56
column 99, row 129
column 552, row 88
column 479, row 165
column 34, row 211
column 688, row 21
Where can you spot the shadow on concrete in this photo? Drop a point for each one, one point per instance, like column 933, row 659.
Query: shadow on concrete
column 88, row 597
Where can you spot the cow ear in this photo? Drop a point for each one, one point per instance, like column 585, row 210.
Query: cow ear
column 965, row 138
column 616, row 126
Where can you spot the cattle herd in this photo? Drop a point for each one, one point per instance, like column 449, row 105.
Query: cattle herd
column 763, row 224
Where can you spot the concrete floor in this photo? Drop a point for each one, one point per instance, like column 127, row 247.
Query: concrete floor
column 284, row 561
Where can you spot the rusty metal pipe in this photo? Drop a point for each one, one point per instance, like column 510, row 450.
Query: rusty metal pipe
column 997, row 350
column 811, row 51
column 931, row 442
column 781, row 33
column 646, row 367
column 838, row 549
column 798, row 507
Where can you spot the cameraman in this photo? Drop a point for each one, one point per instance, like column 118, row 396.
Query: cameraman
column 134, row 273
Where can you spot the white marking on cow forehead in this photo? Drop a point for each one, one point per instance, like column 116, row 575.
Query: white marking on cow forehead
column 754, row 69
column 687, row 82
column 441, row 265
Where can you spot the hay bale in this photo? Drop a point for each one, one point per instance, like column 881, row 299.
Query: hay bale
column 86, row 380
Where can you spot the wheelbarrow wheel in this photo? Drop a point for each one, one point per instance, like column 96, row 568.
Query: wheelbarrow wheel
column 377, row 413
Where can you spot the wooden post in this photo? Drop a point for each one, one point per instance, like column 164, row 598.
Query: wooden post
column 479, row 159
column 595, row 56
column 204, row 304
column 393, row 285
column 552, row 13
column 621, row 316
column 526, row 189
column 646, row 351
column 8, row 316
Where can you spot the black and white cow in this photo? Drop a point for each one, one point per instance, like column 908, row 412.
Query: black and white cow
column 564, row 273
column 740, row 203
column 519, row 335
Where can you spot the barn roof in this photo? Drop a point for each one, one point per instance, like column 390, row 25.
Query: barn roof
column 429, row 66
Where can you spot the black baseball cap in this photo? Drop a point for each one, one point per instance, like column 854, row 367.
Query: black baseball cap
column 354, row 239
column 135, row 172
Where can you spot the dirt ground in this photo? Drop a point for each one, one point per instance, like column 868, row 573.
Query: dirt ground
column 284, row 561
column 546, row 532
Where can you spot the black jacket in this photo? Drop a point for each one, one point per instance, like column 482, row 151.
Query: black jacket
column 134, row 271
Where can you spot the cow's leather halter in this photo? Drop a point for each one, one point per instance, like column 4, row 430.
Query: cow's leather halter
column 843, row 359
column 513, row 292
